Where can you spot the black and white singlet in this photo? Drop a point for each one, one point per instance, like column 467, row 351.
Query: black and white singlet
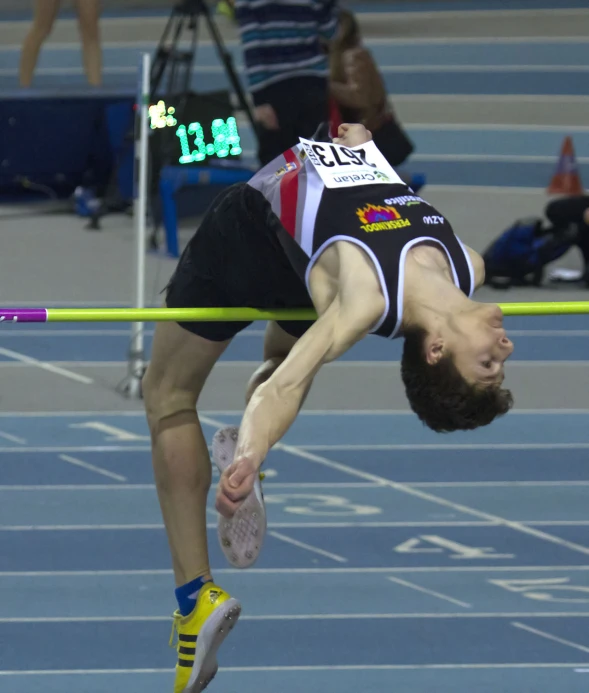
column 322, row 192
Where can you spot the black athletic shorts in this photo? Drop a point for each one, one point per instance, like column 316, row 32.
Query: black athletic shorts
column 234, row 260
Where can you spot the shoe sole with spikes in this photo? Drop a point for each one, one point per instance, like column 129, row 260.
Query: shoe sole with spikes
column 210, row 639
column 241, row 537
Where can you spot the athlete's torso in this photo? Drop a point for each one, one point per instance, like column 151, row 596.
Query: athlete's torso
column 323, row 193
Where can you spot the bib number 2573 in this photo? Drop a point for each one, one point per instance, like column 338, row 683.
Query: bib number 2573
column 341, row 167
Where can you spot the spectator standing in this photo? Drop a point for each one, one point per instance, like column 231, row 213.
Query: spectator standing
column 287, row 67
column 44, row 14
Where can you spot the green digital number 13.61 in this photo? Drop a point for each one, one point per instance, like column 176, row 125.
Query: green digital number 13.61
column 226, row 141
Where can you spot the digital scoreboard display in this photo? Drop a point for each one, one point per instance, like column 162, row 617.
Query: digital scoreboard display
column 209, row 132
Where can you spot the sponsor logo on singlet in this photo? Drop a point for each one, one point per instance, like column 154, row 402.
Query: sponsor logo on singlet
column 379, row 218
column 404, row 200
column 435, row 219
column 289, row 166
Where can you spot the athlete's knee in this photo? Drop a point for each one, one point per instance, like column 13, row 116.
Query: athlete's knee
column 165, row 405
column 89, row 31
column 180, row 459
column 41, row 28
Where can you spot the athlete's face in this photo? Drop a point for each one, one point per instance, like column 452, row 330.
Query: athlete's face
column 352, row 135
column 479, row 345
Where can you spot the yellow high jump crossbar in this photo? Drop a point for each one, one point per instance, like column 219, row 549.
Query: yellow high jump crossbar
column 18, row 315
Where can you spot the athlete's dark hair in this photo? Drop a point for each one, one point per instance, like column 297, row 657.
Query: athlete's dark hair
column 441, row 397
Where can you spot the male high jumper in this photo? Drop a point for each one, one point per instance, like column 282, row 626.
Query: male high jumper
column 328, row 225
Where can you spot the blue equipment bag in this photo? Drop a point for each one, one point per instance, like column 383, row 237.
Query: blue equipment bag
column 519, row 255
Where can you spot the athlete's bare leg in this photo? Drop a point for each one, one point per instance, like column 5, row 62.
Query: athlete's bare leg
column 180, row 364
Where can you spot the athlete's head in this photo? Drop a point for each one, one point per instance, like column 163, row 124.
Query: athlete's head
column 453, row 374
column 352, row 135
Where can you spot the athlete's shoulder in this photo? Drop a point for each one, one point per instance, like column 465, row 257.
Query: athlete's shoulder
column 478, row 265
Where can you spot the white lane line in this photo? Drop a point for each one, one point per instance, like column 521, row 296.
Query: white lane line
column 409, row 490
column 80, row 487
column 549, row 636
column 308, row 547
column 433, row 593
column 93, row 468
column 78, row 448
column 271, row 525
column 46, row 366
column 491, row 484
column 304, row 571
column 319, row 448
column 449, row 446
column 454, row 615
column 337, row 667
column 13, row 439
column 286, row 525
column 110, row 487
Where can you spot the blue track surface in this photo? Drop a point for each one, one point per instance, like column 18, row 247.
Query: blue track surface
column 419, row 563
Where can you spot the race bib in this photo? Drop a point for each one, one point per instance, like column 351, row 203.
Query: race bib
column 344, row 167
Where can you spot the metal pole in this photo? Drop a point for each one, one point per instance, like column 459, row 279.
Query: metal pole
column 131, row 386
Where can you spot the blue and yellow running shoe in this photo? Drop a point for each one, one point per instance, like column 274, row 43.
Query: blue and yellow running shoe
column 200, row 634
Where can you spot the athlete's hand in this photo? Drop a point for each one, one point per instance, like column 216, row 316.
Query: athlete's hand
column 235, row 485
column 352, row 135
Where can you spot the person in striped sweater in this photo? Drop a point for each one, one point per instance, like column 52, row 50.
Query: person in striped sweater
column 287, row 67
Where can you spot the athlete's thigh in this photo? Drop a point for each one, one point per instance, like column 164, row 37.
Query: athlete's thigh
column 180, row 363
column 277, row 341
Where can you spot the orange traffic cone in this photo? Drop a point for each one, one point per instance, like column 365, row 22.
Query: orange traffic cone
column 566, row 180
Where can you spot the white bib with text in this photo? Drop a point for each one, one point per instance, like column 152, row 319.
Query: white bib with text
column 344, row 167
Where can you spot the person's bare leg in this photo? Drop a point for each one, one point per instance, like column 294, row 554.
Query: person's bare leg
column 88, row 23
column 180, row 365
column 44, row 13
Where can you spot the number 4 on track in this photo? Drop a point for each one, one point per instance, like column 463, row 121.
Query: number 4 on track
column 425, row 543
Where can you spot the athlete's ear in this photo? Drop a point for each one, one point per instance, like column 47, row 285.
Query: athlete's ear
column 434, row 349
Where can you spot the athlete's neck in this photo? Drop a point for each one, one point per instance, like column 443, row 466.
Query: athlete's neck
column 430, row 296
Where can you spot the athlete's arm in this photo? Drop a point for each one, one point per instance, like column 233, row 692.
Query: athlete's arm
column 274, row 404
column 277, row 346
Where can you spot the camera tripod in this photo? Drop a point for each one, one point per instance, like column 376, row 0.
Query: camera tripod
column 185, row 16
column 170, row 78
